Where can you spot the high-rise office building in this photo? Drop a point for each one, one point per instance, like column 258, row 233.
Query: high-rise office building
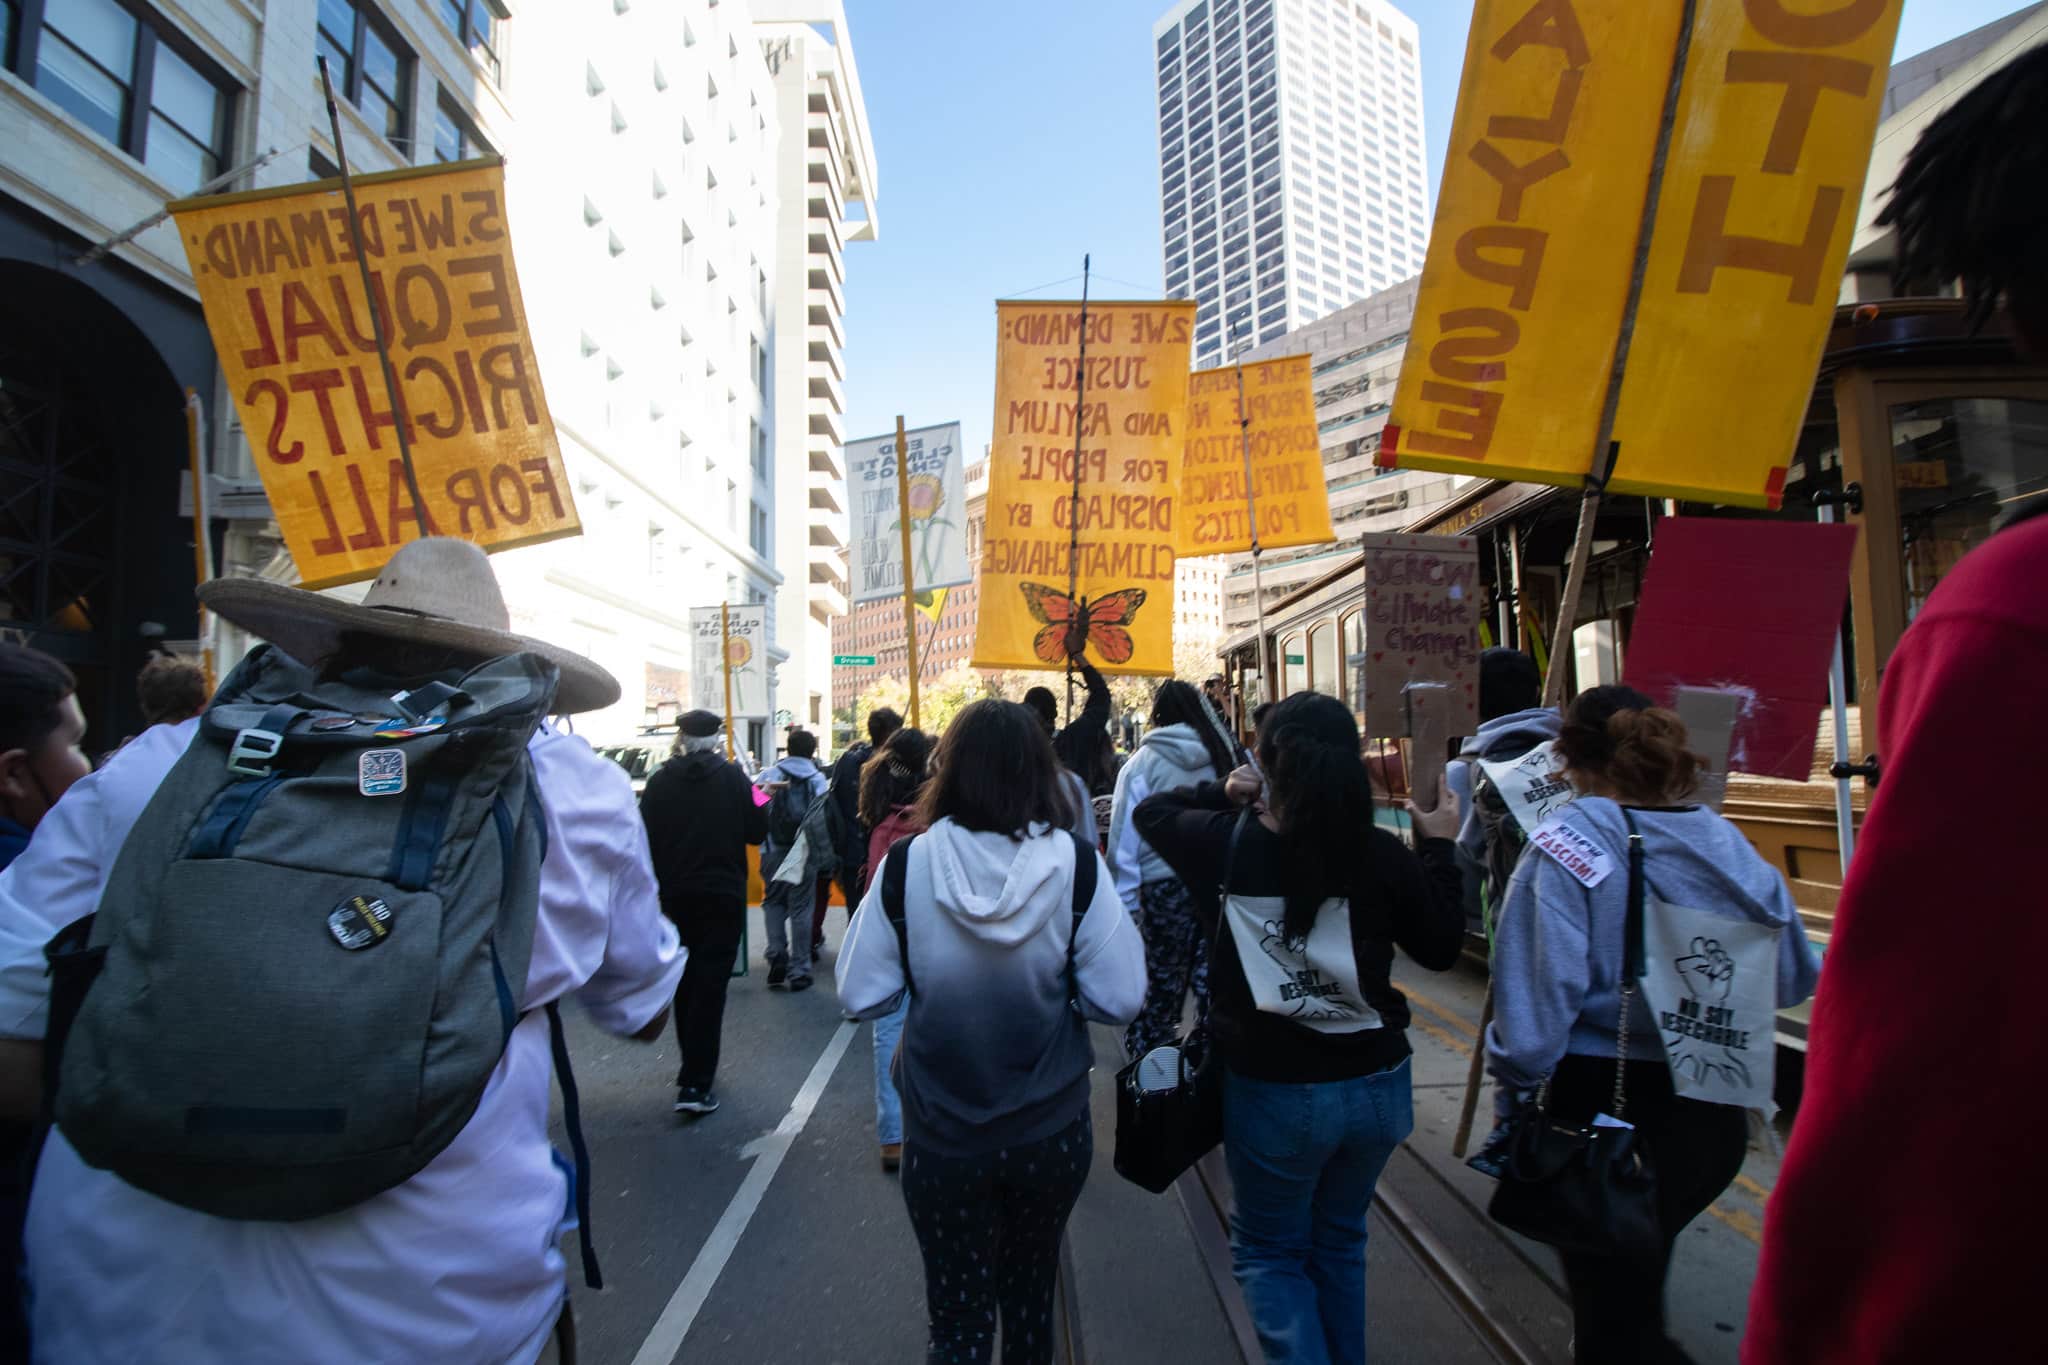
column 1290, row 160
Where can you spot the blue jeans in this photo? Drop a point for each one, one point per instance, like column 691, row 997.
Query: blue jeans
column 1303, row 1162
column 888, row 1108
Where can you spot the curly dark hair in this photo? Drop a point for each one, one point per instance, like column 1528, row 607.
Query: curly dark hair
column 1967, row 203
column 1619, row 736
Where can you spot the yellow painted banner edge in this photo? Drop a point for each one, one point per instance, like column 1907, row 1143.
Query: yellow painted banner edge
column 539, row 538
column 331, row 185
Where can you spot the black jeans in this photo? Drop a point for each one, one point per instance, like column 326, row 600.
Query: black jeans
column 1696, row 1149
column 710, row 928
column 989, row 1227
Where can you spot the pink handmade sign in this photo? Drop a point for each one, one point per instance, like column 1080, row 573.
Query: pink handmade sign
column 1749, row 608
column 1422, row 634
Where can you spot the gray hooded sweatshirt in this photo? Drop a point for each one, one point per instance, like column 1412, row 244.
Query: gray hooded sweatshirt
column 993, row 1054
column 1168, row 759
column 1503, row 737
column 1557, row 945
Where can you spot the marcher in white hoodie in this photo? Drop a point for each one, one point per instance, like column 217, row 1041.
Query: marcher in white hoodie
column 993, row 1066
column 1184, row 747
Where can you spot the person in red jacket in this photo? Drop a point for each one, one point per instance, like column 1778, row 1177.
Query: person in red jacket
column 1898, row 1227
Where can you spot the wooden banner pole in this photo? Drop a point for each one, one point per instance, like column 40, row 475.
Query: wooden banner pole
column 725, row 667
column 1251, row 507
column 1605, row 454
column 909, row 572
column 355, row 237
column 202, row 527
column 1074, row 505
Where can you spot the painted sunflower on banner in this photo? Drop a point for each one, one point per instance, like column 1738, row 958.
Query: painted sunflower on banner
column 926, row 495
column 737, row 652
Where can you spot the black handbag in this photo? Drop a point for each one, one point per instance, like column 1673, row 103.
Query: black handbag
column 1587, row 1189
column 1169, row 1102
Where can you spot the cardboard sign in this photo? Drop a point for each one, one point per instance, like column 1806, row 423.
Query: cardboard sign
column 1531, row 786
column 1536, row 230
column 1710, row 732
column 1277, row 424
column 1749, row 609
column 1422, row 626
column 938, row 514
column 1107, row 589
column 1528, row 267
column 283, row 293
column 746, row 632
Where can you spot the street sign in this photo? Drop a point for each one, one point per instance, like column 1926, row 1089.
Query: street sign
column 853, row 661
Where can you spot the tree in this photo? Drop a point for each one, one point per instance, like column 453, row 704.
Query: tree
column 939, row 699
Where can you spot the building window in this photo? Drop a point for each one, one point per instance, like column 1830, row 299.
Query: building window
column 117, row 74
column 473, row 22
column 370, row 65
column 455, row 137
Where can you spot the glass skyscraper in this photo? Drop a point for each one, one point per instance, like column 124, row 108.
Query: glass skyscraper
column 1290, row 160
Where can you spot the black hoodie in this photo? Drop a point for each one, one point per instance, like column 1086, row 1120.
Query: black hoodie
column 700, row 815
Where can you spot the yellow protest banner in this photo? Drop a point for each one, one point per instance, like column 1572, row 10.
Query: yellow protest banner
column 1761, row 192
column 1286, row 460
column 1528, row 268
column 284, row 299
column 1122, row 411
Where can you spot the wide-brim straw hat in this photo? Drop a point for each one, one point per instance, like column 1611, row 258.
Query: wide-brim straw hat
column 437, row 591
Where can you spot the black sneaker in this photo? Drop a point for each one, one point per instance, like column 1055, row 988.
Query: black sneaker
column 799, row 983
column 692, row 1099
column 778, row 968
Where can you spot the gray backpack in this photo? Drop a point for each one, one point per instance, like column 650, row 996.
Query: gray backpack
column 308, row 959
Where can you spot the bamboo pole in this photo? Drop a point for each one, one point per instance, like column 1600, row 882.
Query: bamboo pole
column 909, row 572
column 202, row 527
column 1074, row 505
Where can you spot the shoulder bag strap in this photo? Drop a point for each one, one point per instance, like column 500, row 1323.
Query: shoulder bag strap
column 1086, row 859
column 895, row 869
column 1244, row 816
column 1631, row 957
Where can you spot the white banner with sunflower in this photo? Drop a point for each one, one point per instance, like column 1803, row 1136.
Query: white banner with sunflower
column 746, row 635
column 938, row 513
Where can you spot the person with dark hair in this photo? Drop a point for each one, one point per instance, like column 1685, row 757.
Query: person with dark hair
column 41, row 728
column 700, row 814
column 170, row 689
column 1558, row 979
column 1083, row 750
column 849, row 830
column 889, row 788
column 789, row 907
column 1881, row 1236
column 1314, row 1104
column 1185, row 746
column 1045, row 706
column 460, row 1261
column 1512, row 721
column 1005, row 955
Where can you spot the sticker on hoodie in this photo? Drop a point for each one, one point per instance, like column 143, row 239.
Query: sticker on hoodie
column 1574, row 852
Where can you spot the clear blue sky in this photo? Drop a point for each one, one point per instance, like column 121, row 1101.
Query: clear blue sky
column 1012, row 138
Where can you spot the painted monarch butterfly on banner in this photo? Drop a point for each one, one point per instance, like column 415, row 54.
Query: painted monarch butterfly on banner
column 1071, row 626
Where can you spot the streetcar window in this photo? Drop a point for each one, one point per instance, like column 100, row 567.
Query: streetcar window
column 1293, row 666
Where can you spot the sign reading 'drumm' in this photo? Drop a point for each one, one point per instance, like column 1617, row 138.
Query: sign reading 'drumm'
column 1422, row 631
column 1274, row 430
column 1061, row 574
column 279, row 279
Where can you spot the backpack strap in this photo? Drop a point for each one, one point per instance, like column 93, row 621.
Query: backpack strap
column 1086, row 862
column 895, row 871
column 572, row 1119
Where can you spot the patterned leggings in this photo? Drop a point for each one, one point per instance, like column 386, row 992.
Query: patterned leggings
column 989, row 1227
column 1176, row 955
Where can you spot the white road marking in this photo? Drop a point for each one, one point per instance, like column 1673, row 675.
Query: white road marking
column 768, row 1150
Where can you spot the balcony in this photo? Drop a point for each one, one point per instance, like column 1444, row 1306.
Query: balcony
column 824, row 321
column 825, row 385
column 829, row 425
column 825, row 459
column 827, row 493
column 824, row 290
column 825, row 538
column 827, row 354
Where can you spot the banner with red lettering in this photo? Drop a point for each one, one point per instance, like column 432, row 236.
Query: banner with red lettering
column 283, row 293
column 1257, row 418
